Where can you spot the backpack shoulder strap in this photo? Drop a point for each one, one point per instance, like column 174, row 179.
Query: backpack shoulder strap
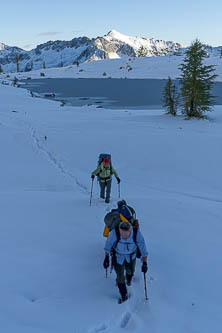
column 129, row 210
column 135, row 229
column 111, row 168
column 117, row 239
column 117, row 235
column 133, row 213
column 138, row 252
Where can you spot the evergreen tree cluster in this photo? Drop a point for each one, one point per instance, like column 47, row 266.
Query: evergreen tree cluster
column 142, row 52
column 171, row 97
column 17, row 62
column 196, row 82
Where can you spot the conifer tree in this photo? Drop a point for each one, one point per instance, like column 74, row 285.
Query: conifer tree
column 170, row 97
column 14, row 82
column 1, row 70
column 142, row 52
column 17, row 62
column 43, row 65
column 196, row 82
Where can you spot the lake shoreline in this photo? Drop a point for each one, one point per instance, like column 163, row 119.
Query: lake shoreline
column 135, row 94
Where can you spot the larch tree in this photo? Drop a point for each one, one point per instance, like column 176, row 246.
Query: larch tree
column 196, row 81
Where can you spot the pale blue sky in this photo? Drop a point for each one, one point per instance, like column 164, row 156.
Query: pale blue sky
column 26, row 23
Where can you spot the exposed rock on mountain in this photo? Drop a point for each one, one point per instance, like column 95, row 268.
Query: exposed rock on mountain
column 83, row 49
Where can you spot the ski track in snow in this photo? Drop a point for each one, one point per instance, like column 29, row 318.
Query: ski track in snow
column 128, row 317
column 128, row 313
column 122, row 322
column 125, row 319
column 51, row 157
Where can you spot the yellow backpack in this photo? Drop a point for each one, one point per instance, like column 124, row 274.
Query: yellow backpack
column 106, row 228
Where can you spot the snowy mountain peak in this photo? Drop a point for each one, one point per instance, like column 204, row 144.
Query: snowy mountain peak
column 115, row 34
column 153, row 47
column 119, row 36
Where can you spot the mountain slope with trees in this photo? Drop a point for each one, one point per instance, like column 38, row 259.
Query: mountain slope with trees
column 78, row 50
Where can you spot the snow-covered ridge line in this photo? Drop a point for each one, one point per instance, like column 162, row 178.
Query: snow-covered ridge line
column 82, row 49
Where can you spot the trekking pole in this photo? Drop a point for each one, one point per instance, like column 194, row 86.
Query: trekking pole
column 111, row 266
column 146, row 297
column 91, row 193
column 119, row 189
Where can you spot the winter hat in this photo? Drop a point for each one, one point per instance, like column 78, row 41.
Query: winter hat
column 125, row 226
column 106, row 160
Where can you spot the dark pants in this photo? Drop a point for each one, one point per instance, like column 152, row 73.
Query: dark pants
column 119, row 269
column 107, row 186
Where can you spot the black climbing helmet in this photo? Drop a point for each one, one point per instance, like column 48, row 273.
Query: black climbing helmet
column 121, row 203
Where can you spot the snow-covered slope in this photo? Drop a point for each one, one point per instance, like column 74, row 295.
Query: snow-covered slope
column 51, row 244
column 82, row 49
column 131, row 68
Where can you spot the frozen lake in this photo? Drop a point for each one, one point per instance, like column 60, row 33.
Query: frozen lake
column 108, row 93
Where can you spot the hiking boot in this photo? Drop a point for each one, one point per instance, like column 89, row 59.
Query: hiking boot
column 102, row 196
column 123, row 299
column 107, row 200
column 128, row 279
column 123, row 292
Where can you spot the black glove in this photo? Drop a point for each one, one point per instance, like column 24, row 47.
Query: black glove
column 92, row 177
column 144, row 267
column 106, row 262
column 118, row 180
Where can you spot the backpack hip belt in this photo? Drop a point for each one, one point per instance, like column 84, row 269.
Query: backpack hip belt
column 125, row 254
column 114, row 259
column 105, row 179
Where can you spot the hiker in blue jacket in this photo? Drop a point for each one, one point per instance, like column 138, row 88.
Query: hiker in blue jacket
column 124, row 251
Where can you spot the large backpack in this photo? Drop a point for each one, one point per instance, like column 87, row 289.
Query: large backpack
column 128, row 212
column 101, row 158
column 113, row 218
